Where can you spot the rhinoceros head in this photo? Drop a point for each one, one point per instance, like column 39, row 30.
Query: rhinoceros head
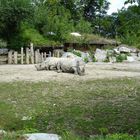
column 40, row 66
column 81, row 67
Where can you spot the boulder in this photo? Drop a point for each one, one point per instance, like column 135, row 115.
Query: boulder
column 126, row 49
column 3, row 51
column 69, row 55
column 41, row 136
column 84, row 55
column 130, row 59
column 100, row 55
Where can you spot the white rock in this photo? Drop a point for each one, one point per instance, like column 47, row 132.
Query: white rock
column 130, row 59
column 41, row 136
column 69, row 55
column 100, row 55
column 116, row 51
column 124, row 50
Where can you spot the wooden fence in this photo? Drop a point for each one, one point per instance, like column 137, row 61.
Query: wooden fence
column 27, row 56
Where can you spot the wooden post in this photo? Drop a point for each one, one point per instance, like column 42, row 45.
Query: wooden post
column 15, row 57
column 42, row 58
column 22, row 55
column 32, row 53
column 53, row 53
column 39, row 56
column 45, row 55
column 50, row 54
column 27, row 55
column 36, row 57
column 58, row 54
column 10, row 57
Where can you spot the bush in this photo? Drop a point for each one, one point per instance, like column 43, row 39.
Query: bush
column 3, row 44
column 77, row 53
column 121, row 57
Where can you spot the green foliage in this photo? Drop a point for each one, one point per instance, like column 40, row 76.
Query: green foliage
column 121, row 57
column 3, row 44
column 52, row 21
column 127, row 23
column 83, row 26
column 77, row 53
column 30, row 34
column 57, row 22
column 51, row 114
column 12, row 13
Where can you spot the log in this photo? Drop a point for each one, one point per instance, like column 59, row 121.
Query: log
column 36, row 57
column 22, row 55
column 45, row 55
column 10, row 57
column 58, row 54
column 27, row 55
column 32, row 53
column 42, row 57
column 50, row 54
column 15, row 57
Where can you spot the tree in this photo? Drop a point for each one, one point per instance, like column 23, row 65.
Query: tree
column 128, row 25
column 12, row 13
column 132, row 1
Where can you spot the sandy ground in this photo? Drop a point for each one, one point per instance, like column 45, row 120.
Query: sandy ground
column 93, row 71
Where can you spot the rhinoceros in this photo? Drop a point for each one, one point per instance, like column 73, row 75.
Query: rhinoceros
column 49, row 64
column 70, row 65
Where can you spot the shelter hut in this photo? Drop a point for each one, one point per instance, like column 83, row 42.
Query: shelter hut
column 89, row 41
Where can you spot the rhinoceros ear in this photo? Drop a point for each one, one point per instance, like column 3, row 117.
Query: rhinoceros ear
column 37, row 66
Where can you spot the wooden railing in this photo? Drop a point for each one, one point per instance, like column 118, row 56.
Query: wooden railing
column 27, row 56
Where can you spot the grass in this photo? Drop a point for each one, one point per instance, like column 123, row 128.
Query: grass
column 84, row 109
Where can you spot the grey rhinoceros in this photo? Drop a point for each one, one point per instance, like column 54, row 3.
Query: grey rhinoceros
column 69, row 65
column 49, row 64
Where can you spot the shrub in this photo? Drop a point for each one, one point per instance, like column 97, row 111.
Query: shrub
column 77, row 53
column 121, row 57
column 3, row 44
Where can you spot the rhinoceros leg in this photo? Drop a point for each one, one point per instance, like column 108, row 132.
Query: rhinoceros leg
column 75, row 70
column 58, row 67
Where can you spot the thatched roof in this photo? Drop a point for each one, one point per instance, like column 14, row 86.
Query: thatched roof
column 92, row 39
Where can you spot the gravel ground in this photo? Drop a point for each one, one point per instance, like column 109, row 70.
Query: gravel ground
column 10, row 73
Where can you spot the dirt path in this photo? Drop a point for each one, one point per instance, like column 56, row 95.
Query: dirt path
column 93, row 71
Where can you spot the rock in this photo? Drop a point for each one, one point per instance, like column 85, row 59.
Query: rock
column 69, row 55
column 100, row 55
column 126, row 49
column 41, row 136
column 135, row 56
column 3, row 51
column 84, row 55
column 116, row 51
column 130, row 59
